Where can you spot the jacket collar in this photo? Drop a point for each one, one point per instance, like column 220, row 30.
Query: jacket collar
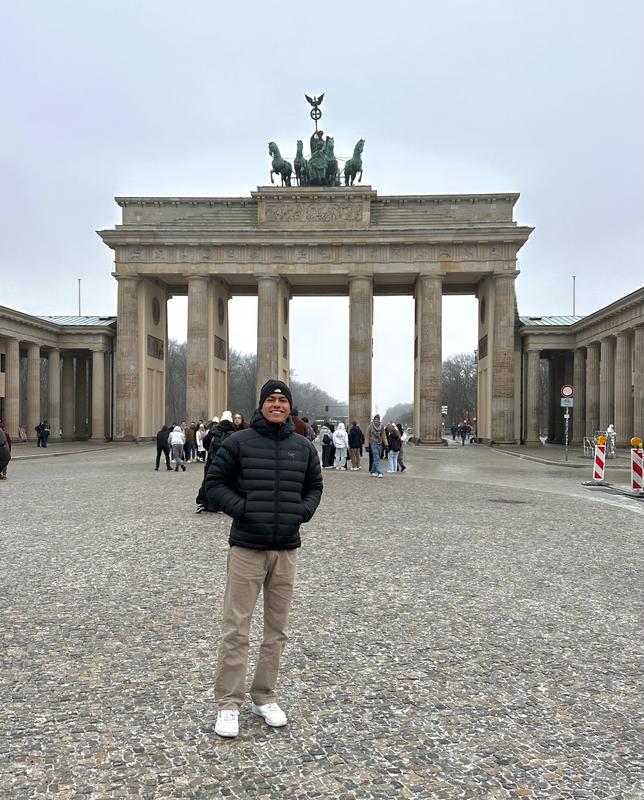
column 270, row 429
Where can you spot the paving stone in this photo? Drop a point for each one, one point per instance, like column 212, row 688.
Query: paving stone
column 444, row 644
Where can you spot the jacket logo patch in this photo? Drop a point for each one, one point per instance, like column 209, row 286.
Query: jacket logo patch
column 290, row 454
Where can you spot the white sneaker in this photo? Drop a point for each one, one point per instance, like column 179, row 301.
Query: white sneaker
column 380, row 475
column 272, row 713
column 227, row 723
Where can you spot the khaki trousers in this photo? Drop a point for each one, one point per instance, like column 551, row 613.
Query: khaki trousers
column 354, row 454
column 249, row 571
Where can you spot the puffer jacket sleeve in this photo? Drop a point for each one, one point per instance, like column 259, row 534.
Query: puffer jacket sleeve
column 221, row 480
column 312, row 488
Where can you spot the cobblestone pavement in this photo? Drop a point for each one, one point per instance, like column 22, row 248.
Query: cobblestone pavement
column 470, row 629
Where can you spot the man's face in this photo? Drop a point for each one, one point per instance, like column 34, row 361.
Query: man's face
column 276, row 408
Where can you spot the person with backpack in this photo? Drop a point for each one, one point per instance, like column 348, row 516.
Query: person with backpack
column 356, row 440
column 394, row 443
column 219, row 432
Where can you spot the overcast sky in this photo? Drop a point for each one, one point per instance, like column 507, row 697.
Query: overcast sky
column 149, row 97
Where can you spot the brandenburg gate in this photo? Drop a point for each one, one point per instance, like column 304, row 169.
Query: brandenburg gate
column 283, row 242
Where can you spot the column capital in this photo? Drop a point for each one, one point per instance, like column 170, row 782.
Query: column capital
column 122, row 278
column 267, row 276
column 367, row 276
column 197, row 277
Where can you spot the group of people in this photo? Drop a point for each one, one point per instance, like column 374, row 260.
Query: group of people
column 183, row 443
column 463, row 431
column 341, row 447
column 42, row 431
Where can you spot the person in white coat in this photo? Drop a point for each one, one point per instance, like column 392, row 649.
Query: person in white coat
column 341, row 444
column 176, row 440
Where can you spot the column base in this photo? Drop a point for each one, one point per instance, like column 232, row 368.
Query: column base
column 431, row 442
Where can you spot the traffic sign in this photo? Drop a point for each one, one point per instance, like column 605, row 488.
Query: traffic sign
column 567, row 402
column 567, row 390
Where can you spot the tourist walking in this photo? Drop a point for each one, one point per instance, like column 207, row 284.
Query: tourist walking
column 401, row 463
column 247, row 481
column 341, row 444
column 177, row 442
column 376, row 440
column 356, row 440
column 163, row 447
column 42, row 431
column 190, row 446
column 394, row 444
column 5, row 451
column 326, row 442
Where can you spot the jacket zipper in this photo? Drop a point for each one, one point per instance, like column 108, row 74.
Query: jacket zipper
column 277, row 490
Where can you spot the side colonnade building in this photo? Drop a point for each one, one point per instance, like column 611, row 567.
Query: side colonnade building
column 281, row 243
column 601, row 356
column 67, row 375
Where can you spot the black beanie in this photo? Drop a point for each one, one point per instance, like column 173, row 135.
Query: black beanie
column 274, row 386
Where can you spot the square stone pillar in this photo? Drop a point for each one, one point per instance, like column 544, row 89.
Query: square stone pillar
column 197, row 362
column 273, row 296
column 428, row 366
column 68, row 395
column 33, row 389
column 98, row 395
column 638, row 382
column 53, row 389
column 607, row 383
column 360, row 348
column 12, row 388
column 127, row 359
column 533, row 397
column 624, row 388
column 502, row 350
column 81, row 397
column 579, row 382
column 592, row 388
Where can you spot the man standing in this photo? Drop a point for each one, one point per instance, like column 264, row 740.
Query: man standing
column 376, row 441
column 268, row 479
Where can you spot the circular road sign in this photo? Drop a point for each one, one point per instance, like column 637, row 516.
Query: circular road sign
column 567, row 391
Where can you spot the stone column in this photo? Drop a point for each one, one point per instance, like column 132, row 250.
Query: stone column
column 267, row 328
column 624, row 388
column 607, row 383
column 533, row 397
column 197, row 349
column 592, row 388
column 81, row 396
column 579, row 382
column 360, row 348
column 54, row 394
column 638, row 382
column 68, row 395
column 429, row 302
column 503, row 361
column 127, row 359
column 12, row 388
column 33, row 389
column 98, row 395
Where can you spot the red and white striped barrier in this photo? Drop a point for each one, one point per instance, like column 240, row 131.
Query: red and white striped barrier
column 636, row 469
column 600, row 462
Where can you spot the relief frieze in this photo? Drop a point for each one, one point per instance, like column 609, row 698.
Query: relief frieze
column 313, row 212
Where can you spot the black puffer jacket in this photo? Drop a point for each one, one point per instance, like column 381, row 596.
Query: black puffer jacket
column 268, row 479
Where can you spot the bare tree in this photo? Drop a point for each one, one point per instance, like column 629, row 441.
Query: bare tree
column 459, row 387
column 402, row 413
column 242, row 382
column 175, row 382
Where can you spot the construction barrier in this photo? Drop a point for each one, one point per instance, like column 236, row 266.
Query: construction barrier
column 637, row 457
column 599, row 464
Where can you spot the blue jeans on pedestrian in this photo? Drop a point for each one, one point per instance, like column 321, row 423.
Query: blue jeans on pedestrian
column 376, row 451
